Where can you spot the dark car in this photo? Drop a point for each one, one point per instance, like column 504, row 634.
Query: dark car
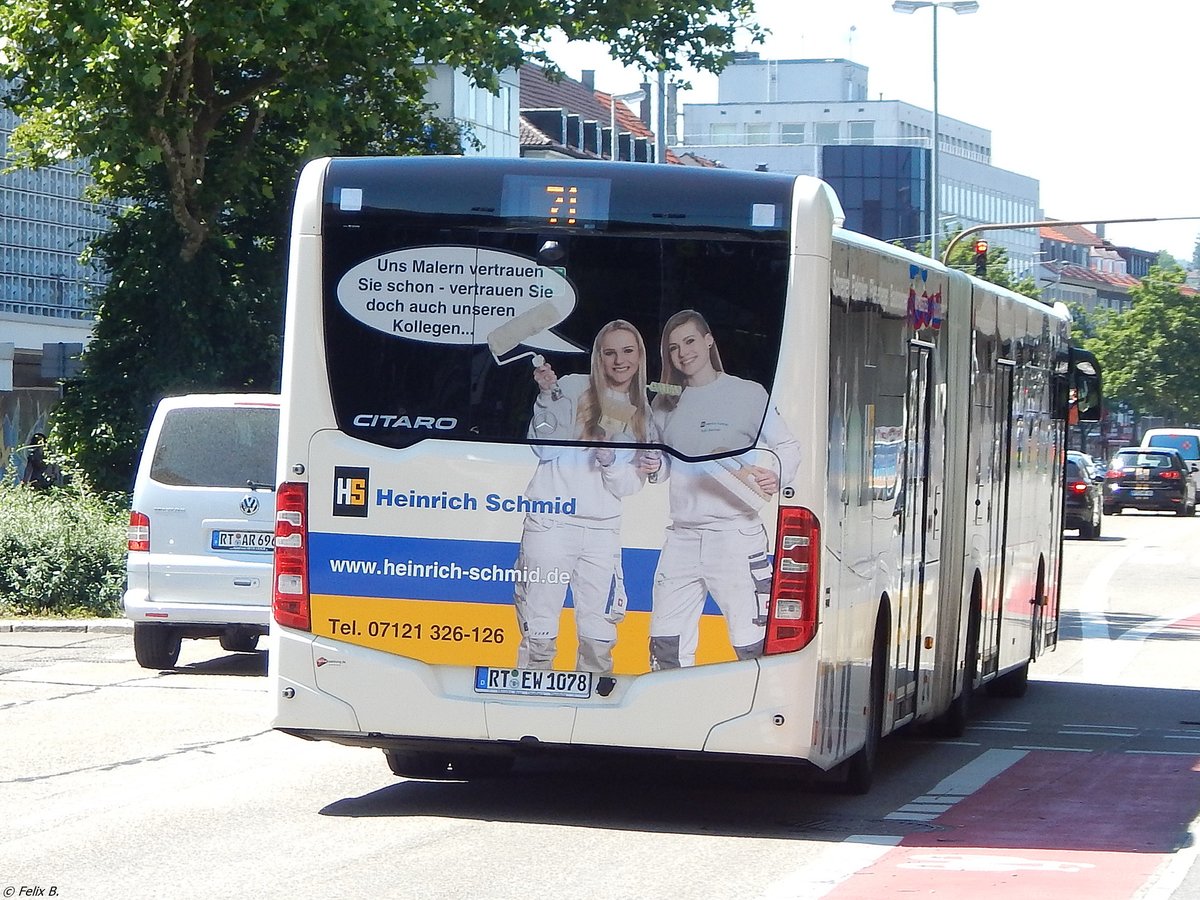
column 1150, row 478
column 1083, row 500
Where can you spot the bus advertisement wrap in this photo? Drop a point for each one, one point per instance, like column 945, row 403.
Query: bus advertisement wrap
column 649, row 458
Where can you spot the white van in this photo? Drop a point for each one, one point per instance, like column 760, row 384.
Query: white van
column 201, row 530
column 1185, row 440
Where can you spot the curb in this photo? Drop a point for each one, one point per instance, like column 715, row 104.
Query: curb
column 91, row 626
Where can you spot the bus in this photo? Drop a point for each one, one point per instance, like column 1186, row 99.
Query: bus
column 583, row 457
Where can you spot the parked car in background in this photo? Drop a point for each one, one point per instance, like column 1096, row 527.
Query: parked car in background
column 202, row 527
column 1083, row 498
column 1093, row 470
column 1185, row 440
column 1149, row 478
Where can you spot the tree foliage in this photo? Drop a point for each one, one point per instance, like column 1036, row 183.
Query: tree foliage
column 167, row 326
column 203, row 113
column 1149, row 353
column 178, row 92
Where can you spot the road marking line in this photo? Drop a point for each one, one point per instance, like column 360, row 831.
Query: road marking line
column 1058, row 749
column 859, row 851
column 995, row 728
column 1162, row 752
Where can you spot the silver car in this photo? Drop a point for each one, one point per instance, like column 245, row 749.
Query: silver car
column 201, row 530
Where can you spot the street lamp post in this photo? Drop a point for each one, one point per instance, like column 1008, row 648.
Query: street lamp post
column 612, row 107
column 960, row 7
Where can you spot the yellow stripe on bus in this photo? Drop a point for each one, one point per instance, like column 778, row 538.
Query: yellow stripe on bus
column 484, row 634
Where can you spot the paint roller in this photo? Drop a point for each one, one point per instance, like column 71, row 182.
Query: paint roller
column 738, row 480
column 506, row 337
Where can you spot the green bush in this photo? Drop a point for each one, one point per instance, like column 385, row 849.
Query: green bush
column 62, row 550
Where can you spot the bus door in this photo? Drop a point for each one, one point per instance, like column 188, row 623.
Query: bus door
column 1002, row 435
column 915, row 524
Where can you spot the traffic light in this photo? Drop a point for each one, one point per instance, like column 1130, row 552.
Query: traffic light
column 981, row 258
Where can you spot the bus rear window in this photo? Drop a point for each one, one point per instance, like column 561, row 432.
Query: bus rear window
column 442, row 332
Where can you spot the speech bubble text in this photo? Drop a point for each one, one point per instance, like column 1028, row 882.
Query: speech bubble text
column 460, row 295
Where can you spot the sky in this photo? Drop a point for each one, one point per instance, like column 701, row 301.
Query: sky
column 1096, row 99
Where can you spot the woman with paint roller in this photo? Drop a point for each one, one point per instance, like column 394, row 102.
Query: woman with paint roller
column 716, row 543
column 606, row 405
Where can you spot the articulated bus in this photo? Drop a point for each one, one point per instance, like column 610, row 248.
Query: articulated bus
column 584, row 457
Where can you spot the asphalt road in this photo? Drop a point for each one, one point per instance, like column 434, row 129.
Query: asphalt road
column 116, row 781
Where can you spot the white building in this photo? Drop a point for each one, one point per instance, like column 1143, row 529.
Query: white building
column 785, row 115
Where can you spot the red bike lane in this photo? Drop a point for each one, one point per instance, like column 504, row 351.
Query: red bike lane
column 1054, row 824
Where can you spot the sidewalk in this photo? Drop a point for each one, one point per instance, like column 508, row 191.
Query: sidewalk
column 96, row 626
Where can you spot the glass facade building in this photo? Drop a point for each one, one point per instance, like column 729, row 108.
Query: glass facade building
column 46, row 293
column 882, row 189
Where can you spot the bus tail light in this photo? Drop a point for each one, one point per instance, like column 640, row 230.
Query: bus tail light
column 137, row 537
column 290, row 596
column 792, row 617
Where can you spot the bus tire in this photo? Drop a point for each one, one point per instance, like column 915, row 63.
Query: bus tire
column 953, row 722
column 1012, row 685
column 859, row 769
column 440, row 767
column 156, row 646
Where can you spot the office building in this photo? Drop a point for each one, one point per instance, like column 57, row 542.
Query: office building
column 812, row 117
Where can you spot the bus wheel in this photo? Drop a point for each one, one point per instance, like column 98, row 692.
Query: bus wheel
column 859, row 769
column 953, row 722
column 156, row 646
column 1012, row 684
column 439, row 767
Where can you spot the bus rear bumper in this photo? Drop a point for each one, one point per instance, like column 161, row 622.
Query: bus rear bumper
column 756, row 709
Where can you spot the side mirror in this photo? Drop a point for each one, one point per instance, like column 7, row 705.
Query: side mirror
column 1076, row 387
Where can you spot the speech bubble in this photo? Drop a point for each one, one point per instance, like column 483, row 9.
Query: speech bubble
column 460, row 295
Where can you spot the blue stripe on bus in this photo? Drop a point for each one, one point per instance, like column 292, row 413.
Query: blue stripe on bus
column 360, row 565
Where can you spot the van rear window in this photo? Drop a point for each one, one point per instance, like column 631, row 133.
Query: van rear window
column 1186, row 444
column 217, row 447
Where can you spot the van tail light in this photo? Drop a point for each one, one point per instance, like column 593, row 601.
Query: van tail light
column 792, row 616
column 137, row 537
column 290, row 603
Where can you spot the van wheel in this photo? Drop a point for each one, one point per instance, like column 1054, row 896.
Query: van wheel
column 239, row 641
column 859, row 769
column 156, row 646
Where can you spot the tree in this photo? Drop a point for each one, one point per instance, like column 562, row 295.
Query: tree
column 1148, row 354
column 202, row 114
column 172, row 97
